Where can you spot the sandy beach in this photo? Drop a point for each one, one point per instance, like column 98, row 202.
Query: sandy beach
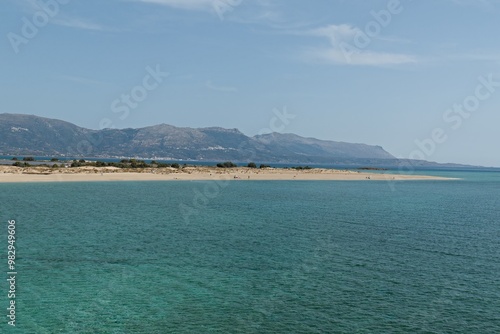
column 199, row 173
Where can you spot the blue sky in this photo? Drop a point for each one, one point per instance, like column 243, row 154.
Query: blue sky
column 420, row 78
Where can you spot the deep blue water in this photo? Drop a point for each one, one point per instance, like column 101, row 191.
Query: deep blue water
column 256, row 257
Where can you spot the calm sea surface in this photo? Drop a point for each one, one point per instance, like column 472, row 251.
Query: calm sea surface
column 255, row 257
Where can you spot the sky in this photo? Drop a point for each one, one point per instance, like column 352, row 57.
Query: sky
column 419, row 78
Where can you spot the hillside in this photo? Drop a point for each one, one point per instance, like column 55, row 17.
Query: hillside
column 28, row 134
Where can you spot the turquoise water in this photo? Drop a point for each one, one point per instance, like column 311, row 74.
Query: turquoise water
column 256, row 257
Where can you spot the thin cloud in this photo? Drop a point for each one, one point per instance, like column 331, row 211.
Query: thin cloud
column 28, row 6
column 79, row 24
column 478, row 56
column 347, row 48
column 483, row 3
column 220, row 88
column 184, row 4
column 252, row 12
column 363, row 58
column 336, row 33
column 60, row 18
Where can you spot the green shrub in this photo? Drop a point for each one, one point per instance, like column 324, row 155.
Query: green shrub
column 302, row 167
column 252, row 165
column 227, row 164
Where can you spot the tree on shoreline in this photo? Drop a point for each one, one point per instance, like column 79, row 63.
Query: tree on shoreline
column 227, row 164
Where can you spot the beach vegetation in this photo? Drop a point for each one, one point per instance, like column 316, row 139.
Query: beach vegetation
column 124, row 163
column 252, row 165
column 302, row 167
column 20, row 164
column 134, row 163
column 227, row 164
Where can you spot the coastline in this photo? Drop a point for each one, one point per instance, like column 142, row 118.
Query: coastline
column 11, row 174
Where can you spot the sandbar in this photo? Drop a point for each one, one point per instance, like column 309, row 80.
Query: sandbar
column 198, row 173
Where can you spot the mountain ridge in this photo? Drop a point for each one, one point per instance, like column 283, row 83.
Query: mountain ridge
column 30, row 134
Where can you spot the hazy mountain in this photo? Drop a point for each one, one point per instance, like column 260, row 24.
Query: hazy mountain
column 290, row 145
column 27, row 134
column 32, row 134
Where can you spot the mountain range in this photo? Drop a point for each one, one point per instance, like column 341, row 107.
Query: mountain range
column 22, row 134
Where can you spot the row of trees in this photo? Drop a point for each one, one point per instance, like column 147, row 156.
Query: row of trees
column 24, row 159
column 134, row 163
column 229, row 164
column 125, row 163
column 301, row 167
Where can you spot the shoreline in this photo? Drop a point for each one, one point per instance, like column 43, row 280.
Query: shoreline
column 11, row 174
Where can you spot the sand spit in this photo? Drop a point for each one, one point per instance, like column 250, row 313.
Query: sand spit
column 45, row 174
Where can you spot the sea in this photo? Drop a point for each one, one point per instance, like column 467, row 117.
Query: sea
column 254, row 256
